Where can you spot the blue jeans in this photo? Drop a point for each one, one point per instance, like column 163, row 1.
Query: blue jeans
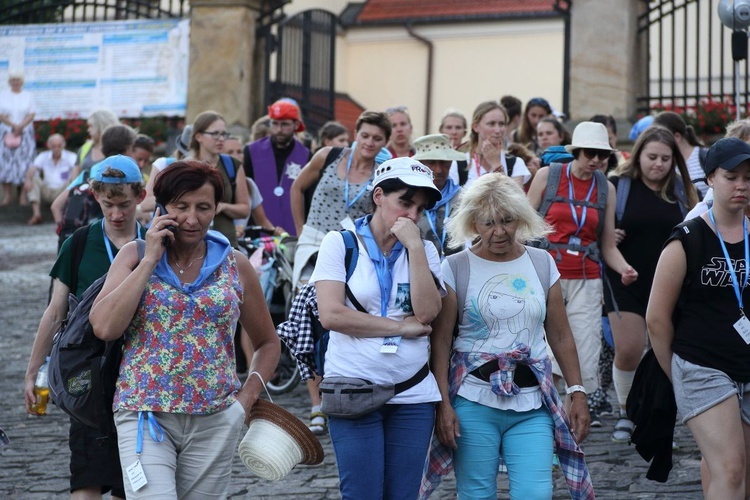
column 525, row 440
column 382, row 455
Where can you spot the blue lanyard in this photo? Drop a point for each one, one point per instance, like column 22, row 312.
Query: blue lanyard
column 154, row 429
column 733, row 273
column 579, row 225
column 108, row 245
column 383, row 265
column 432, row 219
column 346, row 185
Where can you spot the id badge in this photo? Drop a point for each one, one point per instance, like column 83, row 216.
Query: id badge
column 348, row 223
column 743, row 328
column 574, row 240
column 136, row 476
column 390, row 345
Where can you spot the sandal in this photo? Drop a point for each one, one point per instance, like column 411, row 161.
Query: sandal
column 35, row 220
column 318, row 423
column 623, row 430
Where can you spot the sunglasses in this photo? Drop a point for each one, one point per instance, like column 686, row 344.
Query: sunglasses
column 602, row 154
column 538, row 101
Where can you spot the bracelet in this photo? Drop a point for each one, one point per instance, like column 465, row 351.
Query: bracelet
column 575, row 388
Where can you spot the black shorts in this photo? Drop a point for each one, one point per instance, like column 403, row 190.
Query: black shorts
column 94, row 463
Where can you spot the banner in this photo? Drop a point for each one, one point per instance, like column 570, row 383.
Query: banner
column 134, row 68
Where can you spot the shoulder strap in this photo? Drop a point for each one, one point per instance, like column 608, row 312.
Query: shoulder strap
column 350, row 261
column 463, row 171
column 510, row 162
column 541, row 265
column 229, row 167
column 623, row 188
column 550, row 192
column 602, row 191
column 460, row 266
column 681, row 195
column 78, row 245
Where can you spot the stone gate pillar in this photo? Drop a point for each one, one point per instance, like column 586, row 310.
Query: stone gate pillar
column 220, row 73
column 605, row 59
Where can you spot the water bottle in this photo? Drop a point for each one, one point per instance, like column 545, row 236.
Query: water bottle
column 41, row 390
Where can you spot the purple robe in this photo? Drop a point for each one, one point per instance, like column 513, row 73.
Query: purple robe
column 277, row 208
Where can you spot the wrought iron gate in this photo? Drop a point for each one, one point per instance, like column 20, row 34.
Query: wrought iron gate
column 57, row 11
column 687, row 56
column 305, row 54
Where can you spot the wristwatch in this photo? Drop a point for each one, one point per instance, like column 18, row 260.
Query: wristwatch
column 575, row 388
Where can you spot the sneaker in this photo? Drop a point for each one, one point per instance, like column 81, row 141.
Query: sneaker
column 318, row 423
column 605, row 409
column 596, row 419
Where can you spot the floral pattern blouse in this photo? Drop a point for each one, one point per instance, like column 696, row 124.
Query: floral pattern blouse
column 179, row 348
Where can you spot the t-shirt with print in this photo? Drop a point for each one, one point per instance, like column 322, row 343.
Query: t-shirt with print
column 504, row 308
column 95, row 262
column 349, row 356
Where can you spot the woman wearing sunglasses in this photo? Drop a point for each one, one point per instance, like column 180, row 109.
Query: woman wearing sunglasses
column 579, row 203
column 207, row 144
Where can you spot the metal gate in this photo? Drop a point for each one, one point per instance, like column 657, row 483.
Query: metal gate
column 687, row 60
column 305, row 54
column 57, row 11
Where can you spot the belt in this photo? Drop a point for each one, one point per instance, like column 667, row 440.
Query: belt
column 523, row 376
column 417, row 378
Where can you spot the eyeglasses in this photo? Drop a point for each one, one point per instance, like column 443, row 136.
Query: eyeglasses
column 217, row 134
column 396, row 109
column 602, row 154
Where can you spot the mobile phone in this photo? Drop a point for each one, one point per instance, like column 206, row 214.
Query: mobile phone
column 163, row 211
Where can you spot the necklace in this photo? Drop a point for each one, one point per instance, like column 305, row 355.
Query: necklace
column 183, row 269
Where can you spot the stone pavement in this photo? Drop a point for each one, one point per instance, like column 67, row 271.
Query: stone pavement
column 35, row 464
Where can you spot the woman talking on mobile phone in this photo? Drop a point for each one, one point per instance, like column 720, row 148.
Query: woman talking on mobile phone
column 177, row 309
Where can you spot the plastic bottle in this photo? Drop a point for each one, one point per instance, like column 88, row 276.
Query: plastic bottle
column 41, row 390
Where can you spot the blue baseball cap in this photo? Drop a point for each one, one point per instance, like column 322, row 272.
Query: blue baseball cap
column 124, row 164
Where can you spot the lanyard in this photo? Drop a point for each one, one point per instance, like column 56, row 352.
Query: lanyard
column 383, row 265
column 108, row 245
column 154, row 429
column 735, row 282
column 432, row 216
column 579, row 225
column 346, row 185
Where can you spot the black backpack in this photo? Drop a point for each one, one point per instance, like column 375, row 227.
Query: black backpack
column 83, row 369
column 80, row 209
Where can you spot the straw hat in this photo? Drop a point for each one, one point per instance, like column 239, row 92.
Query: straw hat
column 436, row 147
column 589, row 135
column 276, row 441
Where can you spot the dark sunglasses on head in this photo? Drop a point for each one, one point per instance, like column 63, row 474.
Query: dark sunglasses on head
column 396, row 109
column 590, row 154
column 538, row 101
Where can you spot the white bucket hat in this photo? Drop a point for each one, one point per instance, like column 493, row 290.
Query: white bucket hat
column 436, row 147
column 409, row 171
column 590, row 135
column 276, row 441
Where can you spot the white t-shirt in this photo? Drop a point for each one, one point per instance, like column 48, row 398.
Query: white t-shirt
column 349, row 356
column 16, row 105
column 519, row 169
column 55, row 175
column 504, row 307
column 695, row 170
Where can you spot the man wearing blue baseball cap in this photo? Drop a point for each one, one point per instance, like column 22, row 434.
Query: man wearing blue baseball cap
column 84, row 257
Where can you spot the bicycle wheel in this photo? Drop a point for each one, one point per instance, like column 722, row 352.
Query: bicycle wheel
column 286, row 377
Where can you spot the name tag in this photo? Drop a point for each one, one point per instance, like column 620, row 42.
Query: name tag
column 136, row 476
column 743, row 328
column 574, row 240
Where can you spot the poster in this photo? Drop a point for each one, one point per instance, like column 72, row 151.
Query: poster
column 134, row 68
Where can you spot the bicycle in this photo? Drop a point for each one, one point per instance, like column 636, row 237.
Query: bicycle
column 272, row 257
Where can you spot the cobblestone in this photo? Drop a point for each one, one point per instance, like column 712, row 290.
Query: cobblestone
column 35, row 464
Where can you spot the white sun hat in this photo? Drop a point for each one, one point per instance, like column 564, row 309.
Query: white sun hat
column 276, row 441
column 409, row 171
column 589, row 135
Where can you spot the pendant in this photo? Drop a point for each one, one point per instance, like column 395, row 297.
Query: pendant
column 182, row 271
column 278, row 191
